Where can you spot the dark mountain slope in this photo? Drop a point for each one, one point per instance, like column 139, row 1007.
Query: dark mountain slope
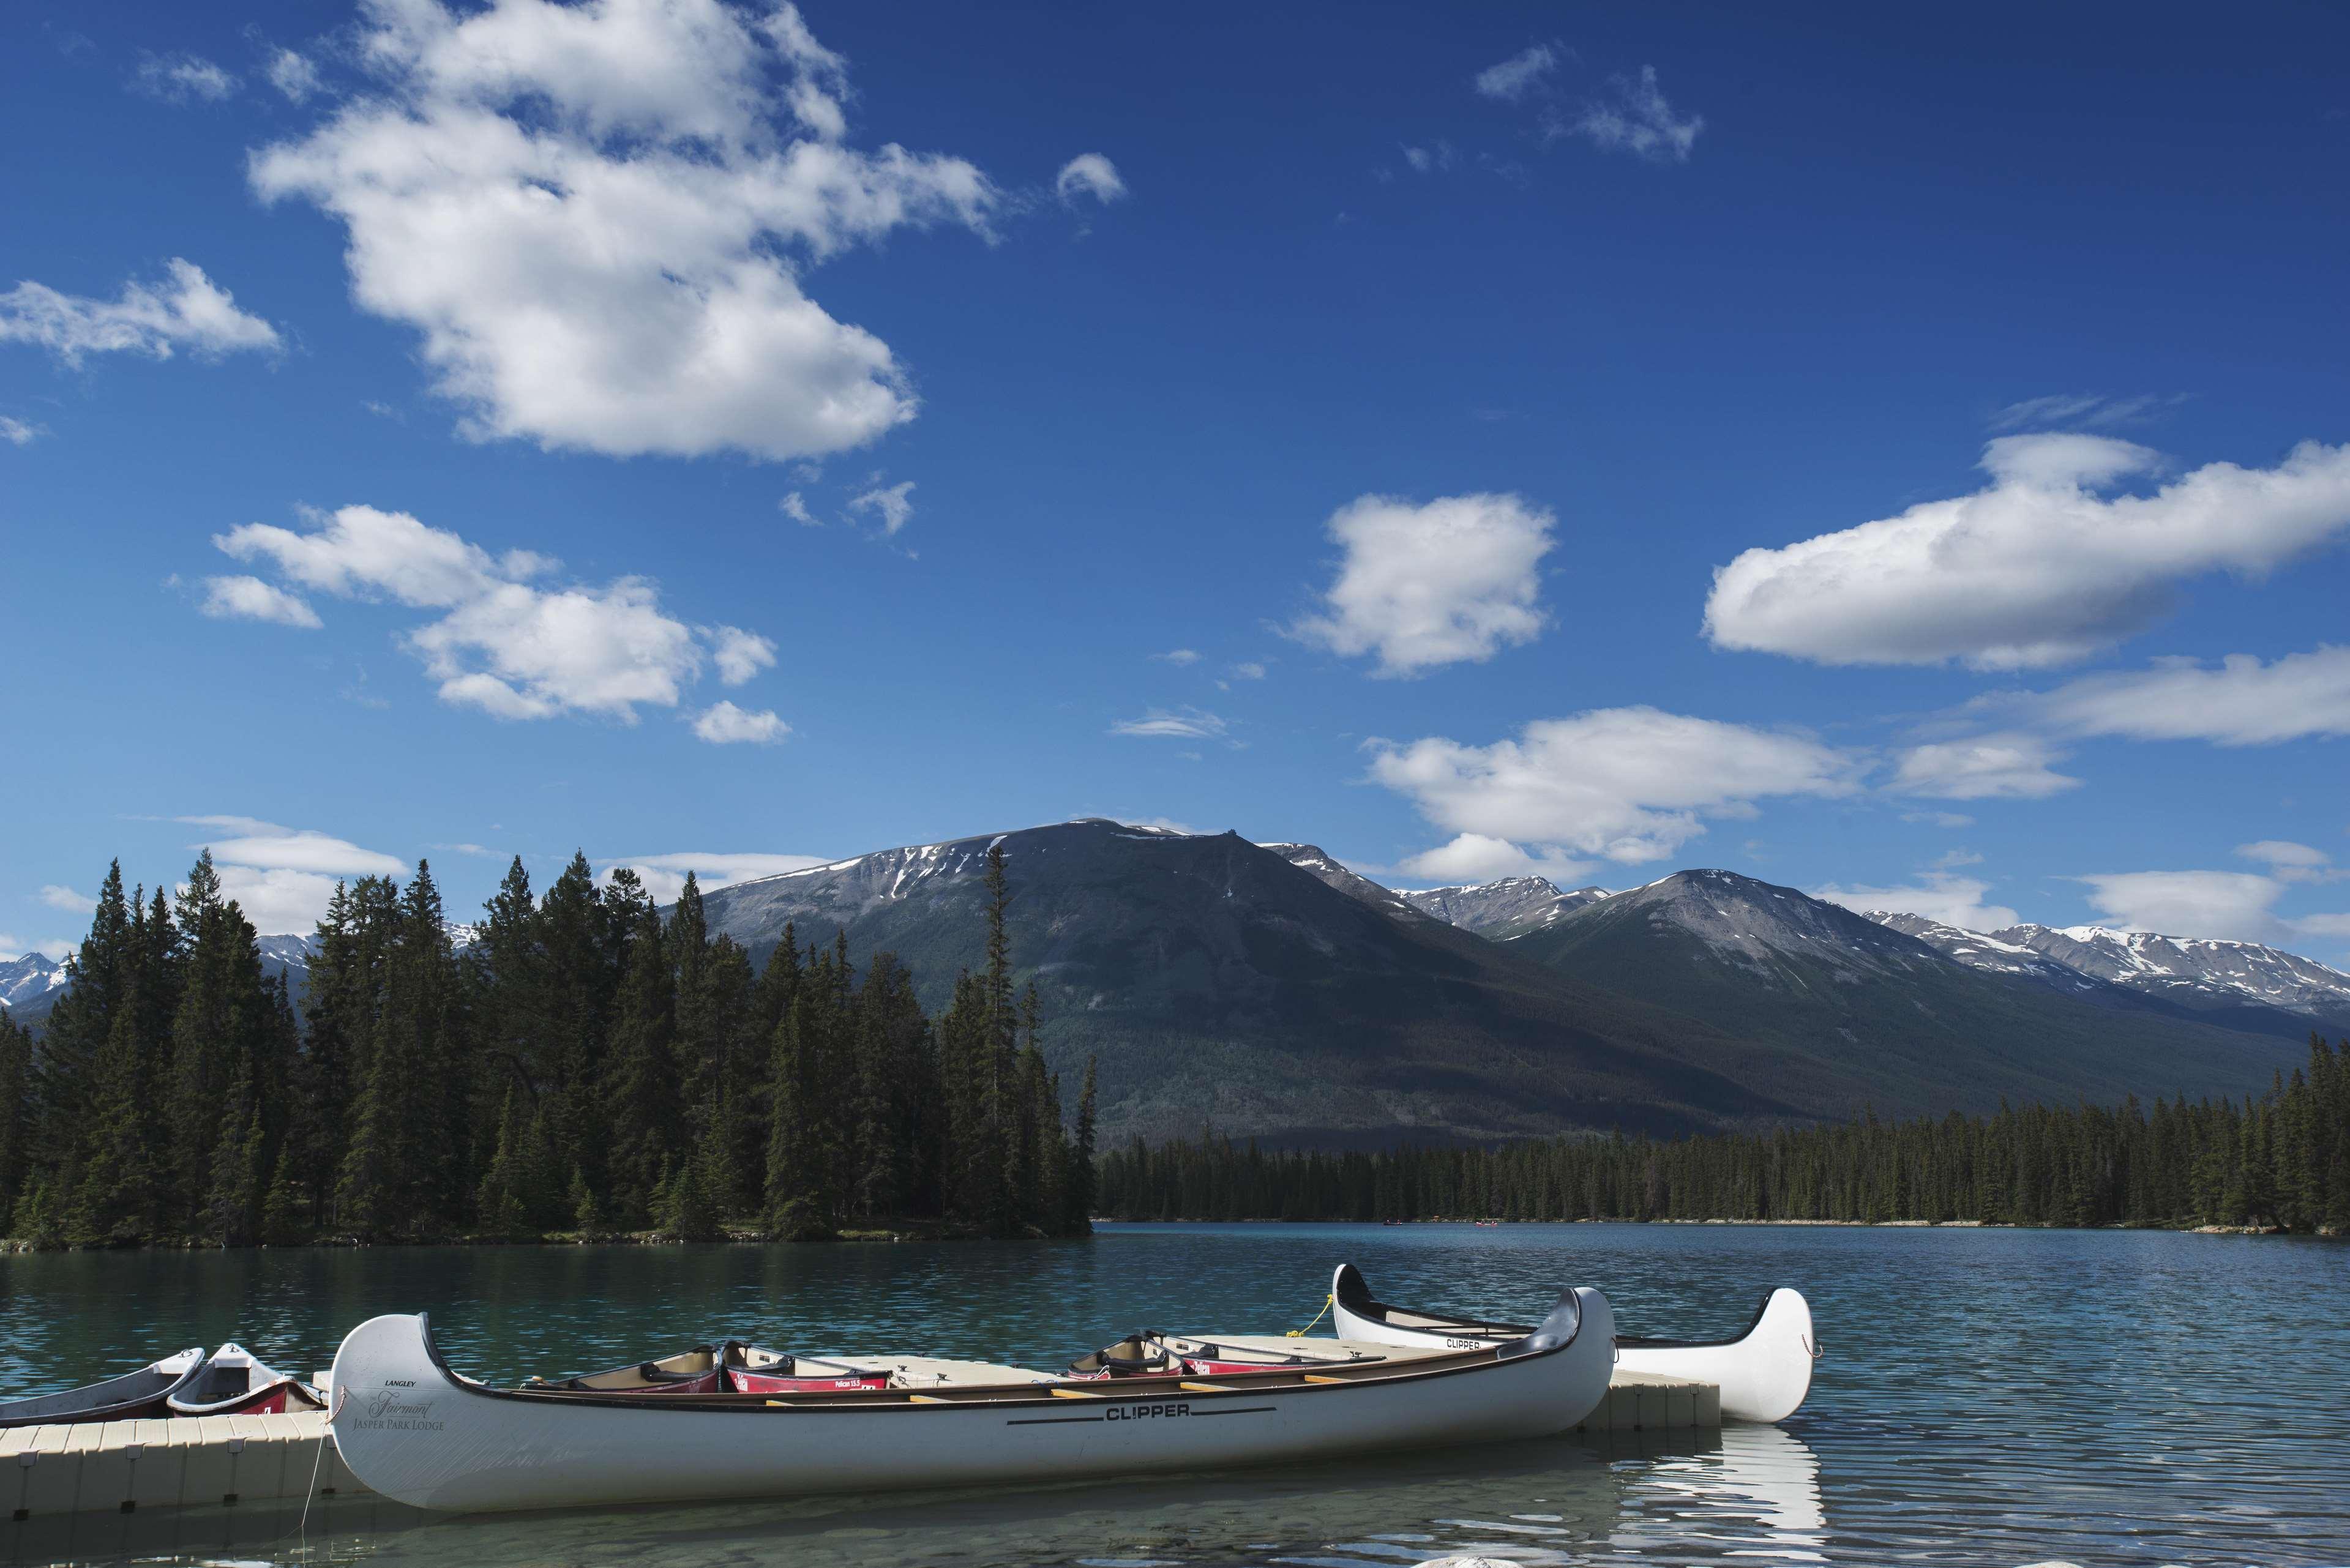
column 1876, row 1014
column 1220, row 984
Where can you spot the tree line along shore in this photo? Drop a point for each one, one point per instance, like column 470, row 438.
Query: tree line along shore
column 582, row 1066
column 2281, row 1161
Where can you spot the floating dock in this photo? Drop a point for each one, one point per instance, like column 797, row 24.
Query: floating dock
column 120, row 1466
column 124, row 1467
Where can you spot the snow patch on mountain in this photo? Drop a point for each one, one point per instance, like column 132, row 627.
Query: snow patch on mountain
column 1510, row 907
column 2203, row 972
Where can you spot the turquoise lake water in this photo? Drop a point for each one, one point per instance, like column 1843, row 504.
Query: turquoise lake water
column 1987, row 1396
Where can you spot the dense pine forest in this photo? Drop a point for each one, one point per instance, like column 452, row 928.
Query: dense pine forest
column 580, row 1067
column 2281, row 1161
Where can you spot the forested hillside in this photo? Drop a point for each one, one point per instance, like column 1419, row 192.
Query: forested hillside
column 583, row 1066
column 2278, row 1160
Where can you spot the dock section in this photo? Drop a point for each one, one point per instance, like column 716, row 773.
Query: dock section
column 108, row 1467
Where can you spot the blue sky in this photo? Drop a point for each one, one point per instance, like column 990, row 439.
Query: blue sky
column 1326, row 424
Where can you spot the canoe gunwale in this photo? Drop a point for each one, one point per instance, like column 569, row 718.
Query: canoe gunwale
column 1558, row 1333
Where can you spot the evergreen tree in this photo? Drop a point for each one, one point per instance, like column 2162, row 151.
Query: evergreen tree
column 642, row 1081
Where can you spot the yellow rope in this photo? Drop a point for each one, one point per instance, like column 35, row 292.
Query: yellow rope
column 1302, row 1333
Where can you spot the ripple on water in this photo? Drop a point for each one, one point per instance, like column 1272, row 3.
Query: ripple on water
column 2002, row 1397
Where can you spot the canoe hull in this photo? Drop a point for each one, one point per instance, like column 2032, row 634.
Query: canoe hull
column 409, row 1430
column 1764, row 1373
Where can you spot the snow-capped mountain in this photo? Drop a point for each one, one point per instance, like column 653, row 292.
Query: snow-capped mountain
column 1508, row 908
column 28, row 981
column 1976, row 951
column 2204, row 974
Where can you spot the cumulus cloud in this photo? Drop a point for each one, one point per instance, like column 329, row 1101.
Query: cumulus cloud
column 62, row 898
column 1088, row 174
column 1634, row 116
column 1988, row 767
column 1248, row 669
column 1430, row 159
column 1173, row 724
column 792, row 507
column 292, row 74
column 1473, row 857
column 1626, row 783
column 187, row 310
column 1421, row 585
column 725, row 724
column 2036, row 568
column 2236, row 904
column 892, row 504
column 741, row 654
column 502, row 642
column 1179, row 656
column 1515, row 77
column 18, row 433
column 250, row 599
column 598, row 217
column 12, row 948
column 183, row 78
column 664, row 875
column 1937, row 894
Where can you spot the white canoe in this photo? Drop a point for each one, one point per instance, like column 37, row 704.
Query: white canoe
column 413, row 1430
column 1764, row 1373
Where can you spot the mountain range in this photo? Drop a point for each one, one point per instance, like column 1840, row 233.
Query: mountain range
column 1271, row 990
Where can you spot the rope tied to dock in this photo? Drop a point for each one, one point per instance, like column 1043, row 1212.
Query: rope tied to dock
column 317, row 1457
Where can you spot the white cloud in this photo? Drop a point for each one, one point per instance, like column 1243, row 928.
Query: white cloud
column 1473, row 857
column 183, row 78
column 2290, row 862
column 1940, row 819
column 2037, row 567
column 188, row 311
column 1628, row 783
column 281, row 876
column 1514, row 77
column 1423, row 586
column 1179, row 656
column 18, row 433
column 65, row 899
column 264, row 845
column 250, row 599
column 2235, row 903
column 725, row 724
column 504, row 644
column 2239, row 703
column 598, row 218
column 893, row 502
column 1182, row 724
column 1634, row 117
column 1430, row 159
column 12, row 948
column 740, row 654
column 1088, row 174
column 292, row 74
column 2078, row 408
column 664, row 875
column 1248, row 669
column 792, row 507
column 1937, row 894
column 2238, row 904
column 1987, row 767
